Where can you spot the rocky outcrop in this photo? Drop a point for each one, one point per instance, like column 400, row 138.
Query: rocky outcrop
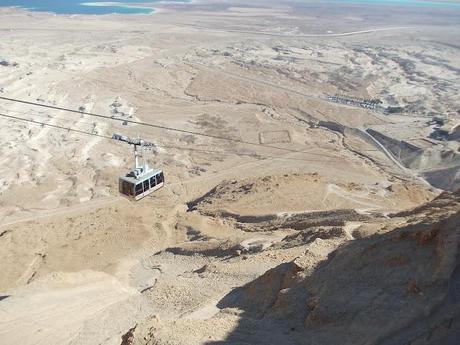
column 454, row 133
column 440, row 168
column 402, row 287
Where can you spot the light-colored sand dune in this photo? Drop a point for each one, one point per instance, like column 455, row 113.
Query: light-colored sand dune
column 70, row 308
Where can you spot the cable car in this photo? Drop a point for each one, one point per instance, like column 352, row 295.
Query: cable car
column 141, row 186
column 143, row 180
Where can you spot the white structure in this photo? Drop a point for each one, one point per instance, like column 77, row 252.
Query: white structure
column 143, row 180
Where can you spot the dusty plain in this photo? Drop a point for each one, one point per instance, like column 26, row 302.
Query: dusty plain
column 296, row 199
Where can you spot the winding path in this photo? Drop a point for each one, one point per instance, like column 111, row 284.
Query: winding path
column 350, row 33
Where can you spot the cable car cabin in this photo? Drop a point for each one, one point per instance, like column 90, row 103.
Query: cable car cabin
column 142, row 180
column 138, row 187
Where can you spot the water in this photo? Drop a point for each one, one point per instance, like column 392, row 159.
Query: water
column 82, row 7
column 413, row 3
column 129, row 7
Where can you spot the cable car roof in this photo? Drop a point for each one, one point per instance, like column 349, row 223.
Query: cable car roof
column 141, row 178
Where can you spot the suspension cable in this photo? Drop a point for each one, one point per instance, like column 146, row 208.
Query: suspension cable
column 162, row 127
column 70, row 129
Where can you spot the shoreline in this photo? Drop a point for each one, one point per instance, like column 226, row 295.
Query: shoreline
column 153, row 10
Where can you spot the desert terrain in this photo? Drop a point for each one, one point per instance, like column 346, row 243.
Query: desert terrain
column 312, row 162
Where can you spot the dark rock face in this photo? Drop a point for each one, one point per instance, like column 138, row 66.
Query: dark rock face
column 402, row 287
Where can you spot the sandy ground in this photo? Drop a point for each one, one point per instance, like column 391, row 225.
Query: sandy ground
column 83, row 265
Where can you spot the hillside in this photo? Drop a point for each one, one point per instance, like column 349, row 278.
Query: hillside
column 398, row 287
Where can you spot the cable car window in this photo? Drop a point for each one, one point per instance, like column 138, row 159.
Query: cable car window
column 152, row 182
column 160, row 177
column 146, row 185
column 139, row 189
column 126, row 188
